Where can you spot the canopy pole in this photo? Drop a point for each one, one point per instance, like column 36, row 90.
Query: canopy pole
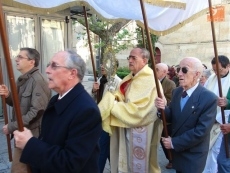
column 5, row 45
column 5, row 115
column 143, row 37
column 218, row 74
column 15, row 98
column 91, row 50
column 154, row 72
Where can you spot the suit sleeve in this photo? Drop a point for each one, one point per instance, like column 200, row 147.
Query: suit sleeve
column 77, row 149
column 168, row 91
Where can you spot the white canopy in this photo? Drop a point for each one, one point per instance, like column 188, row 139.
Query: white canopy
column 161, row 20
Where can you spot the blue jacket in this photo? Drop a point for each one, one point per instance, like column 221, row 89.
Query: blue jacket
column 70, row 131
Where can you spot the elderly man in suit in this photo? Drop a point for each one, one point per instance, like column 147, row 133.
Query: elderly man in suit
column 192, row 113
column 167, row 85
column 71, row 124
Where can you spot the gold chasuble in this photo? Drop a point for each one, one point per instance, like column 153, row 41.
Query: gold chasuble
column 129, row 116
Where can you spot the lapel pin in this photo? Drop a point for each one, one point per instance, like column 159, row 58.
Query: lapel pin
column 192, row 107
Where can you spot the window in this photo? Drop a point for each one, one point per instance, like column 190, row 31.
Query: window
column 52, row 39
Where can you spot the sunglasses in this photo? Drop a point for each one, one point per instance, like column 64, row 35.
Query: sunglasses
column 54, row 65
column 183, row 69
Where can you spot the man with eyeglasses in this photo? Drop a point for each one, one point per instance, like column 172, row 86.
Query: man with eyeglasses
column 33, row 93
column 130, row 118
column 212, row 85
column 71, row 124
column 192, row 112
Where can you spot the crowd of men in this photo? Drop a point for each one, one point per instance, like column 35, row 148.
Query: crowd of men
column 70, row 132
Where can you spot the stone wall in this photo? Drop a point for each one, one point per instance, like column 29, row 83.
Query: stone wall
column 195, row 39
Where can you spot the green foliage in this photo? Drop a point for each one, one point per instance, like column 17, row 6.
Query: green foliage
column 122, row 72
column 140, row 40
column 121, row 41
column 110, row 34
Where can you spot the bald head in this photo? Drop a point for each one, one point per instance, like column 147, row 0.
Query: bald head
column 195, row 64
column 190, row 72
column 162, row 70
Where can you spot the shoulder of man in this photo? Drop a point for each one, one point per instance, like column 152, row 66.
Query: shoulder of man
column 38, row 76
column 206, row 94
column 169, row 82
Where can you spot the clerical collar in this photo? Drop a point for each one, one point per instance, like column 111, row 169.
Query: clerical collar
column 225, row 75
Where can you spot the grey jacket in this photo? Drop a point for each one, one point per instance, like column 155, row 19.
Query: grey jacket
column 34, row 94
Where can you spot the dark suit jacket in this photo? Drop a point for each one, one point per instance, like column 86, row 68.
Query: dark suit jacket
column 69, row 136
column 191, row 128
column 168, row 85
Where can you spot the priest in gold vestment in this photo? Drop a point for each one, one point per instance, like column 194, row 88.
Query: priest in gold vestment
column 129, row 115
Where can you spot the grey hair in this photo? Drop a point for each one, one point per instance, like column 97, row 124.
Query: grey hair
column 207, row 73
column 198, row 66
column 74, row 61
column 145, row 53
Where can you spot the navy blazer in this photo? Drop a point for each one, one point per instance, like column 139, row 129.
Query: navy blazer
column 191, row 128
column 70, row 131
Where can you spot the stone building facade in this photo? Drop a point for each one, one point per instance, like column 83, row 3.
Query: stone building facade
column 195, row 39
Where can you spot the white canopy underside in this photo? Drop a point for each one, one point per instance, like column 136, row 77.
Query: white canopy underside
column 161, row 20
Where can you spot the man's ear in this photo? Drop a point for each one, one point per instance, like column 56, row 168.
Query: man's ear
column 32, row 62
column 73, row 73
column 228, row 66
column 198, row 74
column 145, row 60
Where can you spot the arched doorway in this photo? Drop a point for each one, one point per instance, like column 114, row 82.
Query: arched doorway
column 157, row 55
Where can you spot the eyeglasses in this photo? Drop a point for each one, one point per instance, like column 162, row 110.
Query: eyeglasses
column 131, row 57
column 215, row 70
column 183, row 69
column 54, row 65
column 19, row 57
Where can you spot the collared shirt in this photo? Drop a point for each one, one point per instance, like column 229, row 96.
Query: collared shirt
column 190, row 90
column 60, row 97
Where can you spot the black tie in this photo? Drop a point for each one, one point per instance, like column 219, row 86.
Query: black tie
column 184, row 94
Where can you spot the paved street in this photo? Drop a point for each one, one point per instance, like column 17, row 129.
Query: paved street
column 5, row 164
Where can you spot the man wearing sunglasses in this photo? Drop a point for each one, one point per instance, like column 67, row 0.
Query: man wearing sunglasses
column 71, row 124
column 212, row 85
column 33, row 93
column 192, row 112
column 130, row 117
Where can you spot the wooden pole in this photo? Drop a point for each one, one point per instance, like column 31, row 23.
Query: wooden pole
column 143, row 37
column 218, row 74
column 91, row 50
column 5, row 115
column 14, row 93
column 5, row 45
column 155, row 74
